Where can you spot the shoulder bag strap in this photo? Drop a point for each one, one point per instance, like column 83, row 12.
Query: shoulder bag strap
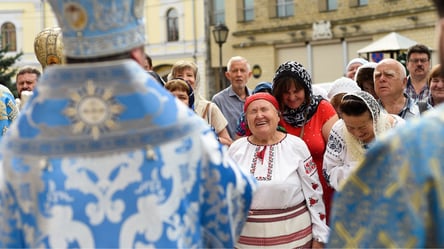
column 204, row 115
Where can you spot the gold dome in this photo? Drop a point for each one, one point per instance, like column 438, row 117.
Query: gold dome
column 48, row 47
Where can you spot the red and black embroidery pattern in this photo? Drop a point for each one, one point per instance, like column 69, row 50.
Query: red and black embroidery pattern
column 259, row 157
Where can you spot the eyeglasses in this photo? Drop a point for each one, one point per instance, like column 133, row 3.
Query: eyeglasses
column 416, row 61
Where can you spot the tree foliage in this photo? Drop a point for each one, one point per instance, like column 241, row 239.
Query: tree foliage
column 7, row 72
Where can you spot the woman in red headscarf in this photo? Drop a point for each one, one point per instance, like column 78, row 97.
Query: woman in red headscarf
column 287, row 209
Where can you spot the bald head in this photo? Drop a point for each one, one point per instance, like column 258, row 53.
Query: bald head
column 396, row 64
column 390, row 79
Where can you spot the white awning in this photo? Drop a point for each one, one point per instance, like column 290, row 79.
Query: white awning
column 389, row 43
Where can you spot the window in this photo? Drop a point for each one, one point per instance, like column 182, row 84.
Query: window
column 328, row 5
column 8, row 37
column 332, row 4
column 245, row 10
column 284, row 8
column 218, row 12
column 357, row 3
column 172, row 25
column 248, row 10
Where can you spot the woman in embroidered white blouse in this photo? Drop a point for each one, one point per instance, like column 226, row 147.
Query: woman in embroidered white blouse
column 362, row 121
column 287, row 209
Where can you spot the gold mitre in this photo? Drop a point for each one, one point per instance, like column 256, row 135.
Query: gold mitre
column 48, row 47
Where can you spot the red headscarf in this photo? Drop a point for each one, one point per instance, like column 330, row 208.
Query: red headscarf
column 261, row 95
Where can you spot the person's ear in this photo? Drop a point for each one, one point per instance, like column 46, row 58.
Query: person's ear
column 138, row 55
column 404, row 82
column 227, row 74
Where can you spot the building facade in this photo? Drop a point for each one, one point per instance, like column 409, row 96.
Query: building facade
column 20, row 21
column 323, row 35
column 179, row 30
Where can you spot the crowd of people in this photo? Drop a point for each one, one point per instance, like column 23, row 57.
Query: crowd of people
column 103, row 156
column 276, row 166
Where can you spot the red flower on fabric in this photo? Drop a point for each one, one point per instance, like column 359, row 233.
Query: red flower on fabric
column 314, row 185
column 322, row 216
column 312, row 201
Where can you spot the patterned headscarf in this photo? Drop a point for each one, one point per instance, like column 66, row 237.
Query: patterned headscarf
column 381, row 123
column 356, row 60
column 300, row 116
column 371, row 104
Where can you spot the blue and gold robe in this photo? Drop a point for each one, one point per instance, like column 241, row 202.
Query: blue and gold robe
column 102, row 156
column 396, row 197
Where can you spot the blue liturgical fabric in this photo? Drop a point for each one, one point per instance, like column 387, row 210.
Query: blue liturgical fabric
column 103, row 156
column 395, row 199
column 8, row 109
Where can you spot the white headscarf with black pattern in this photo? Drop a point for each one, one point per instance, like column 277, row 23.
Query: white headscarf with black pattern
column 381, row 123
column 300, row 116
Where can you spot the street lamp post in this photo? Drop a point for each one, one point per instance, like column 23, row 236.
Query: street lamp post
column 220, row 34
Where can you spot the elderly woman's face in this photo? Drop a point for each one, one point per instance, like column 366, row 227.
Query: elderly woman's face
column 262, row 117
column 352, row 70
column 188, row 74
column 293, row 98
column 437, row 89
column 361, row 127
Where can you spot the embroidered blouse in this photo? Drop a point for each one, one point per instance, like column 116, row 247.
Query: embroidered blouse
column 286, row 175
